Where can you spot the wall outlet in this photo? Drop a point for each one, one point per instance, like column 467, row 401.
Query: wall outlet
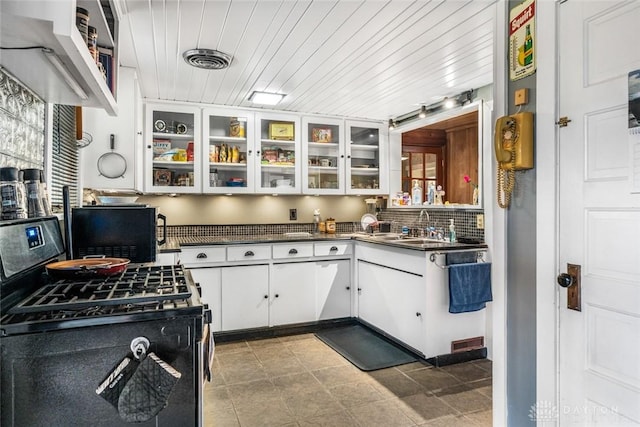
column 480, row 221
column 293, row 214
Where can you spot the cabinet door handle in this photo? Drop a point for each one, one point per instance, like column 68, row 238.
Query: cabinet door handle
column 266, row 297
column 348, row 287
column 359, row 289
column 342, row 156
column 201, row 255
column 277, row 295
column 249, row 253
column 250, row 151
column 418, row 314
column 333, row 248
column 293, row 251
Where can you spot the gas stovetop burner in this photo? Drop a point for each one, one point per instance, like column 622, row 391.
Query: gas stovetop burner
column 134, row 288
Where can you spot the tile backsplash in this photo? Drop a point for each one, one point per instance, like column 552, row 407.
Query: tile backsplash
column 464, row 219
column 21, row 125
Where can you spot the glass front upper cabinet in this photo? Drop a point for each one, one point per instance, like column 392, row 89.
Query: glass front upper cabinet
column 278, row 154
column 323, row 171
column 229, row 152
column 367, row 154
column 173, row 149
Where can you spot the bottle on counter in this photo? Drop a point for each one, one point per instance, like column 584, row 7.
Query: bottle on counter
column 416, row 193
column 431, row 194
column 316, row 221
column 452, row 231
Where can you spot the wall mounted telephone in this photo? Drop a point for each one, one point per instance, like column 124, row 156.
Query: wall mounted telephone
column 514, row 151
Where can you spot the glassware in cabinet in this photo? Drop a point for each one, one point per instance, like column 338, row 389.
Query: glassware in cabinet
column 366, row 158
column 173, row 149
column 228, row 154
column 278, row 154
column 323, row 154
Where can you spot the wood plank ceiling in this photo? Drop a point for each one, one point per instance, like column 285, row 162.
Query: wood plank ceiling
column 361, row 59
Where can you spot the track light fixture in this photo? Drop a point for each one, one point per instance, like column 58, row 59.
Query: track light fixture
column 463, row 98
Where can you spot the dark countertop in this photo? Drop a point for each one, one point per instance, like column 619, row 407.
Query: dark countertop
column 175, row 243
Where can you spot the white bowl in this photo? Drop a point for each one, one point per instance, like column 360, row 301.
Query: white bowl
column 117, row 200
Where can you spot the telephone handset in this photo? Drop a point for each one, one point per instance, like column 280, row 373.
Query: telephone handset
column 514, row 151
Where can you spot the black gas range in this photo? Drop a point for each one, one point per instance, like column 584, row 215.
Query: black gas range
column 60, row 340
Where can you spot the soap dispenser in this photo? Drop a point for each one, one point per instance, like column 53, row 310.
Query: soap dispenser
column 452, row 231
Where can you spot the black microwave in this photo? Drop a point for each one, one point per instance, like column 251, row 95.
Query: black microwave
column 117, row 231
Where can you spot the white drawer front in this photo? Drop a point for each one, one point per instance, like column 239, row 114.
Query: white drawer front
column 202, row 255
column 332, row 248
column 248, row 252
column 292, row 250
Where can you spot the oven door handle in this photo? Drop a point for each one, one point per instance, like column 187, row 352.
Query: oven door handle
column 208, row 344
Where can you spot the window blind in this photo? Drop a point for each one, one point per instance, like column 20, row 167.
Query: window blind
column 64, row 165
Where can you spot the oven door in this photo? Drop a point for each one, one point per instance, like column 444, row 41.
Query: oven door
column 50, row 378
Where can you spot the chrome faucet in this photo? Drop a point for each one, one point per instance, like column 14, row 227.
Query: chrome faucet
column 423, row 212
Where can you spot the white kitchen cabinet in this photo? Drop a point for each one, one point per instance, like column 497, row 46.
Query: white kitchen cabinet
column 126, row 129
column 210, row 281
column 333, row 289
column 278, row 148
column 323, row 154
column 393, row 301
column 244, row 297
column 52, row 24
column 367, row 153
column 172, row 149
column 292, row 292
column 229, row 154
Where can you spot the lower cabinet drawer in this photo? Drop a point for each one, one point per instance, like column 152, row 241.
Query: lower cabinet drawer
column 292, row 250
column 248, row 252
column 202, row 255
column 332, row 248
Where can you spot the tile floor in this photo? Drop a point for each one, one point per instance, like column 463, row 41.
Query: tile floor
column 300, row 381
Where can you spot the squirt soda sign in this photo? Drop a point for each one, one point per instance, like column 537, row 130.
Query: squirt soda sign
column 522, row 59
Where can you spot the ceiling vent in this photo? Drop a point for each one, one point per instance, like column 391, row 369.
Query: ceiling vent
column 208, row 59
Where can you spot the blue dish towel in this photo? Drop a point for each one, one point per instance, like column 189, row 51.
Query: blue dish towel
column 469, row 286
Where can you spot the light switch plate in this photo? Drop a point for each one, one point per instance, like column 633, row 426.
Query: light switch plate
column 480, row 221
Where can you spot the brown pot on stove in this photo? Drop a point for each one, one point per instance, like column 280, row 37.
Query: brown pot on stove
column 87, row 267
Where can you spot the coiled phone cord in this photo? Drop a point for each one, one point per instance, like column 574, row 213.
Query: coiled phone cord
column 507, row 178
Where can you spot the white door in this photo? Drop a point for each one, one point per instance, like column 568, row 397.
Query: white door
column 599, row 347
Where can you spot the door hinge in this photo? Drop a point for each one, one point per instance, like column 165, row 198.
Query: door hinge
column 563, row 122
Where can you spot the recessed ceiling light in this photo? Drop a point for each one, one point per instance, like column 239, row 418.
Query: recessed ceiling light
column 266, row 98
column 449, row 103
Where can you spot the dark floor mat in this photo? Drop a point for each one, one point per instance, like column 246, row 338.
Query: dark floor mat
column 364, row 348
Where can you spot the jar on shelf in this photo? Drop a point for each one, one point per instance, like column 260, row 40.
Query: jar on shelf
column 82, row 23
column 92, row 43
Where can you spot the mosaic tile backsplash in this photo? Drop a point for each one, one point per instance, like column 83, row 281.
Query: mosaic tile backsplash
column 464, row 220
column 21, row 125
